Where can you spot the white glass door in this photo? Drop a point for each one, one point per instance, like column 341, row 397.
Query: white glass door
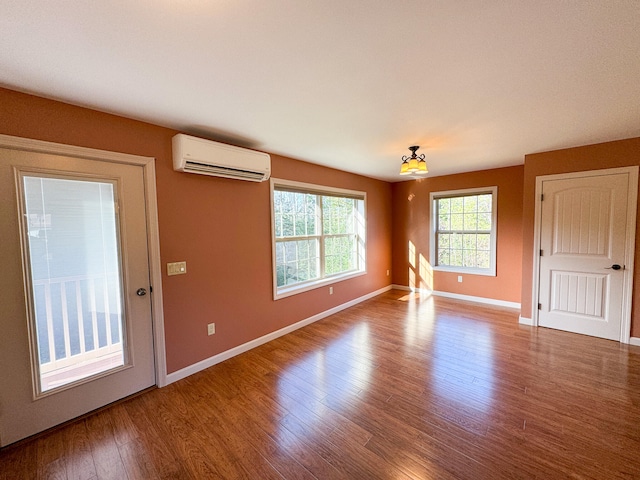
column 76, row 323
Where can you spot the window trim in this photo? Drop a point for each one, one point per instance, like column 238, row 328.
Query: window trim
column 287, row 291
column 433, row 197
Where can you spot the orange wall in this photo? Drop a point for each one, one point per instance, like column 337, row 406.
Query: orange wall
column 620, row 153
column 220, row 227
column 411, row 220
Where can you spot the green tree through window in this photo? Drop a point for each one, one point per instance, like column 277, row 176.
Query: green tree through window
column 317, row 235
column 463, row 238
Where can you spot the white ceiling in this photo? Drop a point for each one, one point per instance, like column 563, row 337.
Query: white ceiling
column 348, row 84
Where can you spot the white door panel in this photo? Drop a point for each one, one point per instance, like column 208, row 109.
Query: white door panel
column 579, row 293
column 583, row 233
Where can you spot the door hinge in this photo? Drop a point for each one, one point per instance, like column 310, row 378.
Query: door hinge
column 542, row 197
column 541, row 252
column 539, row 306
column 150, row 289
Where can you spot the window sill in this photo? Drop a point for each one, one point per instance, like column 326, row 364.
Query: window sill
column 284, row 292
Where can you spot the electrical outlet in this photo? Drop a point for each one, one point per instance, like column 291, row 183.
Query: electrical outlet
column 330, row 290
column 211, row 328
column 459, row 278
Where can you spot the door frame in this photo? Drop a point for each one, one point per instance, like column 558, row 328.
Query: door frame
column 629, row 255
column 153, row 237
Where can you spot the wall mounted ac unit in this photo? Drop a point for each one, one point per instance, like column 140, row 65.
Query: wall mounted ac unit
column 197, row 155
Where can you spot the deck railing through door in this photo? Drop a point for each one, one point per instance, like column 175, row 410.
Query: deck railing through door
column 78, row 319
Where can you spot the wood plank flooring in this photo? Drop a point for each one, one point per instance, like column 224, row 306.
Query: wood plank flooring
column 397, row 387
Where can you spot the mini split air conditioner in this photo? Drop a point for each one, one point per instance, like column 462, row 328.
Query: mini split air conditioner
column 197, row 155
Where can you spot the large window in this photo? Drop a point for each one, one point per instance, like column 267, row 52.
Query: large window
column 318, row 236
column 463, row 236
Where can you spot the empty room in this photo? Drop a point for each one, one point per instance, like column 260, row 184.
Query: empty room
column 326, row 240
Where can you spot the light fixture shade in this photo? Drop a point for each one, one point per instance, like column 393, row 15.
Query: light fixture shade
column 413, row 164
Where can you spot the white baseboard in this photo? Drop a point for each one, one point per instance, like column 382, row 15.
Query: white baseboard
column 525, row 321
column 221, row 357
column 410, row 289
column 468, row 298
column 634, row 341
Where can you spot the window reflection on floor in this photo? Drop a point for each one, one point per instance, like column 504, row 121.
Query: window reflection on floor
column 420, row 320
column 341, row 370
column 451, row 354
column 462, row 368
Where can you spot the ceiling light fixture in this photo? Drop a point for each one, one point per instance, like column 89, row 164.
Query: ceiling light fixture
column 413, row 164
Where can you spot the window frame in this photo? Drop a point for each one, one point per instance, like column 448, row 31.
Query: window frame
column 324, row 280
column 434, row 197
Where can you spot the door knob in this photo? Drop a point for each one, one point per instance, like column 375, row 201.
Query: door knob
column 615, row 266
column 141, row 292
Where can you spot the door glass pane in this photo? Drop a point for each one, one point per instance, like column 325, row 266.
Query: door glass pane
column 72, row 237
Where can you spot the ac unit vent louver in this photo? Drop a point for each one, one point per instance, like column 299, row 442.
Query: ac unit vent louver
column 195, row 167
column 205, row 157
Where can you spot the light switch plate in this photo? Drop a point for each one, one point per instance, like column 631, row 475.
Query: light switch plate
column 176, row 268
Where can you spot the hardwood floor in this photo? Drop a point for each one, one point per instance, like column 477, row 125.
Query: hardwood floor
column 396, row 387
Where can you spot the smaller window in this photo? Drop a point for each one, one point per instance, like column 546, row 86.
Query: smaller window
column 463, row 233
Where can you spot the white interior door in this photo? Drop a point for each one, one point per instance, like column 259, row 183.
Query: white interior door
column 583, row 249
column 76, row 322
